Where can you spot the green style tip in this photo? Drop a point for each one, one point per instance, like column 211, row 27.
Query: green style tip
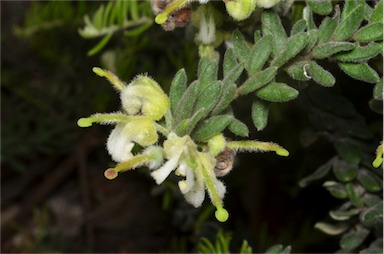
column 161, row 18
column 84, row 122
column 221, row 215
column 282, row 152
column 98, row 71
column 377, row 162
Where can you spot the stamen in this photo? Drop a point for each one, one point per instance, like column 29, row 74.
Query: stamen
column 254, row 146
column 120, row 85
column 105, row 119
column 379, row 156
column 134, row 162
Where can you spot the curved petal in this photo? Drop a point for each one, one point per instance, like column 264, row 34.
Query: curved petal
column 196, row 195
column 119, row 146
column 162, row 173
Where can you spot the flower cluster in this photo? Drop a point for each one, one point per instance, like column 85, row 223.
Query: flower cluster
column 144, row 103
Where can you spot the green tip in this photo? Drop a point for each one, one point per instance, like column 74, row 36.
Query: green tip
column 161, row 18
column 377, row 162
column 221, row 215
column 98, row 71
column 282, row 152
column 84, row 122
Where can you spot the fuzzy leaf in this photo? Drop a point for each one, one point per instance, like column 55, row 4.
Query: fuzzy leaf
column 330, row 48
column 331, row 229
column 348, row 151
column 373, row 215
column 377, row 14
column 353, row 195
column 207, row 72
column 308, row 16
column 360, row 54
column 312, row 40
column 321, row 172
column 290, row 49
column 271, row 24
column 275, row 249
column 207, row 98
column 350, row 24
column 238, row 128
column 336, row 189
column 360, row 71
column 343, row 215
column 378, row 90
column 369, row 181
column 326, row 29
column 186, row 126
column 299, row 27
column 257, row 36
column 233, row 75
column 349, row 6
column 353, row 239
column 178, row 87
column 371, row 32
column 260, row 110
column 258, row 80
column 344, row 171
column 322, row 7
column 185, row 105
column 299, row 71
column 259, row 54
column 227, row 95
column 321, row 76
column 240, row 46
column 277, row 92
column 229, row 61
column 211, row 127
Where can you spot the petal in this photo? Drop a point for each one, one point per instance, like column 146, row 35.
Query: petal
column 162, row 173
column 119, row 146
column 142, row 131
column 189, row 182
column 196, row 195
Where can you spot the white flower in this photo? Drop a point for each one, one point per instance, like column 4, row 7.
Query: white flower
column 207, row 32
column 119, row 146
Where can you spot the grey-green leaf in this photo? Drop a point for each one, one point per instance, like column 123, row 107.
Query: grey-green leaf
column 320, row 75
column 208, row 97
column 308, row 16
column 369, row 181
column 258, row 80
column 322, row 7
column 233, row 75
column 178, row 87
column 207, row 73
column 326, row 29
column 371, row 32
column 240, row 45
column 377, row 14
column 275, row 249
column 349, row 151
column 321, row 172
column 292, row 47
column 299, row 27
column 353, row 239
column 277, row 92
column 186, row 126
column 350, row 24
column 259, row 54
column 344, row 171
column 271, row 24
column 238, row 128
column 353, row 195
column 229, row 61
column 360, row 71
column 299, row 71
column 360, row 54
column 378, row 90
column 312, row 40
column 211, row 127
column 373, row 215
column 227, row 96
column 185, row 106
column 330, row 48
column 260, row 110
column 336, row 189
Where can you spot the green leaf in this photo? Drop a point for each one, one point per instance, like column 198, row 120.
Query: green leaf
column 353, row 195
column 260, row 110
column 344, row 171
column 185, row 106
column 369, row 181
column 290, row 49
column 207, row 72
column 277, row 92
column 326, row 29
column 322, row 7
column 257, row 80
column 349, row 6
column 211, row 127
column 238, row 128
column 360, row 71
column 299, row 27
column 275, row 249
column 353, row 239
column 330, row 48
column 178, row 87
column 370, row 250
column 343, row 215
column 360, row 54
column 100, row 45
column 350, row 24
column 371, row 199
column 348, row 151
column 377, row 14
column 373, row 216
column 299, row 71
column 233, row 75
column 336, row 189
column 312, row 40
column 378, row 90
column 286, row 250
column 271, row 24
column 321, row 76
column 257, row 36
column 321, row 172
column 207, row 98
column 308, row 16
column 371, row 32
column 229, row 61
column 186, row 126
column 240, row 46
column 227, row 96
column 259, row 54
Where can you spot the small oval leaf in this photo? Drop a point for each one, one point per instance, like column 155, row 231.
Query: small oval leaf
column 320, row 75
column 360, row 71
column 260, row 110
column 258, row 80
column 211, row 127
column 322, row 7
column 277, row 92
column 178, row 87
column 259, row 54
column 238, row 128
column 350, row 24
column 330, row 48
column 360, row 54
column 371, row 32
column 290, row 49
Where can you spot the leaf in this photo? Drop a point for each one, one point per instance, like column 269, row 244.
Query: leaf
column 373, row 215
column 299, row 27
column 378, row 90
column 100, row 45
column 322, row 7
column 371, row 199
column 312, row 40
column 260, row 110
column 349, row 6
column 257, row 81
column 271, row 24
column 377, row 14
column 336, row 189
column 369, row 181
column 178, row 87
column 233, row 75
column 290, row 49
column 185, row 106
column 321, row 76
column 186, row 126
column 229, row 61
column 257, row 36
column 348, row 151
column 238, row 128
column 326, row 29
column 308, row 16
column 277, row 92
column 353, row 239
column 331, row 229
column 330, row 48
column 259, row 54
column 360, row 54
column 371, row 32
column 207, row 98
column 344, row 171
column 227, row 96
column 211, row 127
column 350, row 24
column 207, row 72
column 353, row 195
column 275, row 249
column 320, row 172
column 343, row 215
column 360, row 71
column 240, row 46
column 299, row 71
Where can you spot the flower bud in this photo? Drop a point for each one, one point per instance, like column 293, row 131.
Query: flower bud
column 240, row 9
